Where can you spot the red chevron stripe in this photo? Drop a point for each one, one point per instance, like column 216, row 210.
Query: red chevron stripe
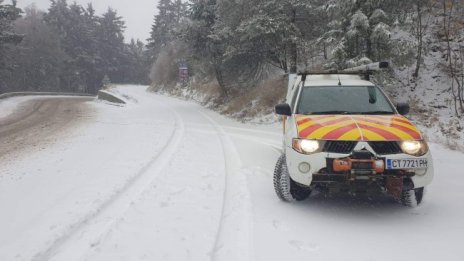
column 305, row 120
column 402, row 120
column 393, row 125
column 372, row 120
column 336, row 134
column 410, row 132
column 306, row 132
column 413, row 134
column 389, row 118
column 308, row 119
column 386, row 134
column 375, row 119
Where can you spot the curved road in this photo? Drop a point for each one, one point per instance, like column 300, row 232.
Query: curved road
column 38, row 121
column 165, row 179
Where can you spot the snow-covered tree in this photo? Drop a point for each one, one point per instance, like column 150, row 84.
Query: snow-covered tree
column 39, row 57
column 138, row 65
column 8, row 14
column 365, row 27
column 94, row 45
column 111, row 45
column 166, row 23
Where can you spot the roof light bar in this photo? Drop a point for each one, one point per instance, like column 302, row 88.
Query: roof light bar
column 359, row 70
column 372, row 67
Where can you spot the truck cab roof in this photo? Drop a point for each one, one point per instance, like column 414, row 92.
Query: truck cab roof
column 336, row 80
column 323, row 80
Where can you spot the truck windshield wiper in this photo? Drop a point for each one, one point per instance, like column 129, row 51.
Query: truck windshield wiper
column 378, row 112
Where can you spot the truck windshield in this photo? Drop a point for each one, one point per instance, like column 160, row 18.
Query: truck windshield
column 343, row 100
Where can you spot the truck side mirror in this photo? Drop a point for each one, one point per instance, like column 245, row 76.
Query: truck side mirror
column 403, row 108
column 283, row 109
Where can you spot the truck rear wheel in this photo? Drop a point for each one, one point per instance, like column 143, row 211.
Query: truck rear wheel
column 285, row 188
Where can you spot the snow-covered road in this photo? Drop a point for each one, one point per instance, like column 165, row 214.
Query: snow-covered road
column 165, row 179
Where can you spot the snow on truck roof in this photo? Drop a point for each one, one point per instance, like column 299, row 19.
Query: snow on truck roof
column 355, row 76
column 335, row 79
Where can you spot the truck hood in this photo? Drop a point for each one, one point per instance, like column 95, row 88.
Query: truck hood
column 356, row 128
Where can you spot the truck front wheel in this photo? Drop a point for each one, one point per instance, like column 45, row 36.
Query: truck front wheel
column 412, row 197
column 285, row 188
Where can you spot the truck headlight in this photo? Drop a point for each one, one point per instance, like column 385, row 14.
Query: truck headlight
column 414, row 147
column 306, row 146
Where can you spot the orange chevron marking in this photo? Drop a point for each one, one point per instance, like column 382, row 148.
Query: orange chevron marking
column 322, row 121
column 398, row 133
column 304, row 119
column 338, row 128
column 386, row 135
column 349, row 132
column 389, row 121
column 370, row 135
column 356, row 127
column 307, row 129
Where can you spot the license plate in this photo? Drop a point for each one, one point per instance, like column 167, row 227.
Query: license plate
column 407, row 163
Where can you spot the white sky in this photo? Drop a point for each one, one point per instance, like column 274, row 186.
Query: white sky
column 138, row 14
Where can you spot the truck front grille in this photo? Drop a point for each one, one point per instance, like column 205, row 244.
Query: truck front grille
column 386, row 147
column 343, row 147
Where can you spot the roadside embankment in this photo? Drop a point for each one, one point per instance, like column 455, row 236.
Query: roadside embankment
column 102, row 95
column 15, row 94
column 110, row 97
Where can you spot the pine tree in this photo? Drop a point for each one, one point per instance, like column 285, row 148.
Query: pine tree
column 138, row 63
column 367, row 29
column 8, row 14
column 203, row 16
column 200, row 36
column 274, row 29
column 8, row 38
column 39, row 56
column 111, row 45
column 94, row 45
column 166, row 22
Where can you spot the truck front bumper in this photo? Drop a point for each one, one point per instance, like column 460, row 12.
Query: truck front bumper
column 320, row 172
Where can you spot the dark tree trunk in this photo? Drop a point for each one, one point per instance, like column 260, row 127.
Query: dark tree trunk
column 325, row 51
column 368, row 47
column 293, row 48
column 293, row 58
column 220, row 79
column 420, row 37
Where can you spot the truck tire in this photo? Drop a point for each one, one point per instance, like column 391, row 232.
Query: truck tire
column 412, row 198
column 285, row 188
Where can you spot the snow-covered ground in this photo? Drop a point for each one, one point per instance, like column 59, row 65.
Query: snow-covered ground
column 430, row 94
column 164, row 179
column 10, row 105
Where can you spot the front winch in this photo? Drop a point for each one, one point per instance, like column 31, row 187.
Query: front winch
column 359, row 166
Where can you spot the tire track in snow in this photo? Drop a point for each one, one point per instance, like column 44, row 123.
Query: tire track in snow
column 254, row 139
column 254, row 131
column 87, row 233
column 234, row 238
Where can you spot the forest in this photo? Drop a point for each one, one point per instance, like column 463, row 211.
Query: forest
column 66, row 48
column 233, row 46
column 238, row 45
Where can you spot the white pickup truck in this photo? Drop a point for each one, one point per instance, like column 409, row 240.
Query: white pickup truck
column 343, row 134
